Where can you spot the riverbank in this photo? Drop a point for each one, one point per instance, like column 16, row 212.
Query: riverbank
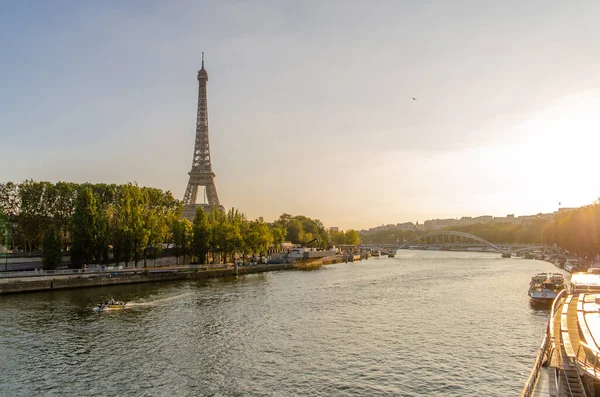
column 148, row 275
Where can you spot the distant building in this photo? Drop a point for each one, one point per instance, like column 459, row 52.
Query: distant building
column 406, row 227
column 566, row 209
column 420, row 227
column 507, row 219
column 334, row 229
column 438, row 224
column 528, row 219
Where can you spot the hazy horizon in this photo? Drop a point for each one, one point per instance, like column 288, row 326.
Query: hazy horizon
column 311, row 106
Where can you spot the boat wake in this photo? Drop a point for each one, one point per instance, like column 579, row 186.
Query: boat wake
column 128, row 305
column 159, row 301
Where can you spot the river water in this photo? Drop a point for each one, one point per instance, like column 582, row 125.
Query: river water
column 423, row 323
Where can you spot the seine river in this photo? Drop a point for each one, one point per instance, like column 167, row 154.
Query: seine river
column 423, row 323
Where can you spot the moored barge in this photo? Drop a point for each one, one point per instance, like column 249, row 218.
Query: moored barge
column 568, row 362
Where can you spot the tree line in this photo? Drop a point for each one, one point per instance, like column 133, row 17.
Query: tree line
column 88, row 220
column 391, row 236
column 494, row 232
column 503, row 232
column 577, row 231
column 300, row 229
column 102, row 223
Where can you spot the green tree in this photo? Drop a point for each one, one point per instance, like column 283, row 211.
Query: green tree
column 63, row 206
column 4, row 234
column 216, row 218
column 278, row 234
column 295, row 231
column 262, row 236
column 231, row 233
column 283, row 221
column 351, row 237
column 337, row 237
column 308, row 225
column 201, row 236
column 133, row 234
column 324, row 242
column 183, row 235
column 34, row 213
column 52, row 249
column 85, row 228
column 10, row 206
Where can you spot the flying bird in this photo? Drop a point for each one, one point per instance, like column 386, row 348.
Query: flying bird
column 414, row 99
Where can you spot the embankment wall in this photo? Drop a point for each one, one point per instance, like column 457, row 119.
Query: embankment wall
column 50, row 283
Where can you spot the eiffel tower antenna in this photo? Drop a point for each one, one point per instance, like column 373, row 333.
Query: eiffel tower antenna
column 201, row 174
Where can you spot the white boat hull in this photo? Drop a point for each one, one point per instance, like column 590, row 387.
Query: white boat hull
column 543, row 295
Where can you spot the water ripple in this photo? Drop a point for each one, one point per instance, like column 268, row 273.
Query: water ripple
column 425, row 323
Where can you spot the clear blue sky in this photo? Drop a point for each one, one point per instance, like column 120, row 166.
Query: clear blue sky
column 310, row 102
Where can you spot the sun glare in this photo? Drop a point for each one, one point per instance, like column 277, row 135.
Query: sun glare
column 557, row 150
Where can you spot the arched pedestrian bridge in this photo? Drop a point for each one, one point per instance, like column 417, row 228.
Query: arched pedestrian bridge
column 448, row 239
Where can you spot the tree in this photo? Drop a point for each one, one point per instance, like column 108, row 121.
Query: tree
column 236, row 223
column 85, row 228
column 63, row 207
column 262, row 236
column 182, row 236
column 229, row 233
column 323, row 239
column 278, row 234
column 337, row 237
column 132, row 230
column 216, row 218
column 201, row 233
column 10, row 206
column 295, row 232
column 51, row 246
column 131, row 221
column 4, row 233
column 34, row 217
column 283, row 221
column 351, row 237
column 577, row 231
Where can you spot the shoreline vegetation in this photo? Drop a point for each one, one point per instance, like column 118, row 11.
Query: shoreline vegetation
column 575, row 230
column 101, row 224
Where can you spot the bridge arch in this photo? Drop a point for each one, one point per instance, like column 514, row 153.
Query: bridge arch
column 452, row 233
column 536, row 247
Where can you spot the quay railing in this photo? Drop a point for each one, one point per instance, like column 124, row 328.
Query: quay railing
column 537, row 366
column 543, row 350
column 102, row 270
column 41, row 272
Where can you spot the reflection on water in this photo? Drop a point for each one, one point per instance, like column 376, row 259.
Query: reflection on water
column 543, row 307
column 424, row 323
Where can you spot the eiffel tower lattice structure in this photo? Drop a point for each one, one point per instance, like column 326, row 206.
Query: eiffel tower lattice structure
column 201, row 175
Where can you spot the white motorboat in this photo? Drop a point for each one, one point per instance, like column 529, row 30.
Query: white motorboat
column 545, row 286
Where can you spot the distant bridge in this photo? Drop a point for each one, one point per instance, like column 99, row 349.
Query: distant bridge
column 451, row 239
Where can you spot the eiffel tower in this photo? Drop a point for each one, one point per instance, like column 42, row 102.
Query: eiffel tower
column 201, row 174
